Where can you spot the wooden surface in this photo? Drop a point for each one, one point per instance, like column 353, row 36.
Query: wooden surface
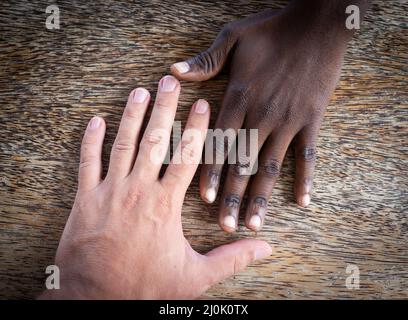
column 53, row 82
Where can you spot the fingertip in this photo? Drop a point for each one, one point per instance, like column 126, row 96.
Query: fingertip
column 201, row 106
column 209, row 195
column 209, row 181
column 168, row 84
column 95, row 123
column 190, row 75
column 180, row 67
column 263, row 250
column 138, row 95
column 228, row 224
column 254, row 223
column 303, row 200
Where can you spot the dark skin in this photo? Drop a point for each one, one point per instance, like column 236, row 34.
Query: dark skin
column 284, row 68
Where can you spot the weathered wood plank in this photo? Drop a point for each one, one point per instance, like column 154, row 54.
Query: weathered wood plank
column 52, row 82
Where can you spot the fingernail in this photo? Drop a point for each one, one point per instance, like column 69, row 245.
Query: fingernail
column 168, row 84
column 94, row 123
column 210, row 195
column 140, row 95
column 201, row 106
column 305, row 200
column 262, row 252
column 255, row 222
column 229, row 221
column 182, row 67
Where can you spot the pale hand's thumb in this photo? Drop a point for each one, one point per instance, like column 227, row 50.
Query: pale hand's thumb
column 227, row 260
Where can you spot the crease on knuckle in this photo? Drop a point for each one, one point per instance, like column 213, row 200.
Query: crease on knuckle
column 188, row 152
column 240, row 170
column 162, row 104
column 241, row 261
column 132, row 113
column 232, row 200
column 308, row 153
column 154, row 137
column 124, row 145
column 206, row 61
column 261, row 200
column 87, row 160
column 272, row 167
column 88, row 143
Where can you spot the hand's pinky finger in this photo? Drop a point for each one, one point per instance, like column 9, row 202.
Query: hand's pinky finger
column 184, row 163
column 90, row 166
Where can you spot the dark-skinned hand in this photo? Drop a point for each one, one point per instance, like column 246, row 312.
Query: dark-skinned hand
column 284, row 67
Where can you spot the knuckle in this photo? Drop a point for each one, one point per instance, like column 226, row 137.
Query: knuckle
column 85, row 164
column 131, row 113
column 308, row 153
column 162, row 103
column 288, row 115
column 262, row 116
column 153, row 137
column 232, row 200
column 124, row 145
column 238, row 98
column 188, row 152
column 227, row 29
column 88, row 143
column 172, row 178
column 272, row 167
column 206, row 61
column 240, row 170
column 132, row 198
column 241, row 261
column 87, row 160
column 261, row 200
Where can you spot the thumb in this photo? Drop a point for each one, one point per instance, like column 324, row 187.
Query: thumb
column 226, row 260
column 209, row 63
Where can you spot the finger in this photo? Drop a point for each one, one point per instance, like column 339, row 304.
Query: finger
column 90, row 166
column 181, row 170
column 155, row 141
column 229, row 259
column 125, row 146
column 220, row 141
column 208, row 63
column 238, row 177
column 269, row 164
column 305, row 153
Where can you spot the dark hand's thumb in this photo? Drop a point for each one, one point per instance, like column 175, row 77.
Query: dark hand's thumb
column 208, row 63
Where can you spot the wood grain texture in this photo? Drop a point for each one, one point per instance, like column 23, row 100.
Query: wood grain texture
column 53, row 82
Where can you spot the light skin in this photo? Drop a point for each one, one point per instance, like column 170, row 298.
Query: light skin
column 124, row 238
column 284, row 67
